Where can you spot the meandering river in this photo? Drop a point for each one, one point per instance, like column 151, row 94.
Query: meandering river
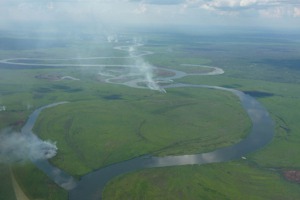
column 91, row 185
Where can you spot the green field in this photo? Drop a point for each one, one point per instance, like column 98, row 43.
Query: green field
column 105, row 123
column 37, row 184
column 93, row 134
column 6, row 189
column 232, row 180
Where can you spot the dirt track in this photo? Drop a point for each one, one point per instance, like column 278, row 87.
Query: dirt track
column 20, row 195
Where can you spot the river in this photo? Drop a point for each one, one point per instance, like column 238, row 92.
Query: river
column 91, row 185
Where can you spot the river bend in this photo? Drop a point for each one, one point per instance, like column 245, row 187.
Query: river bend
column 91, row 185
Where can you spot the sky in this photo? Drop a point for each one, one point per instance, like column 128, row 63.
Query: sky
column 279, row 14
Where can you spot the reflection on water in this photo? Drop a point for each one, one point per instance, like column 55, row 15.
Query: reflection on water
column 60, row 177
column 92, row 185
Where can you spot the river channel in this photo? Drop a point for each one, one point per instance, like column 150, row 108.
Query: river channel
column 91, row 185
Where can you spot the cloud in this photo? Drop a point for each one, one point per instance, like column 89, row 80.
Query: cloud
column 240, row 5
column 228, row 5
column 297, row 11
column 276, row 12
column 117, row 13
column 142, row 8
column 160, row 2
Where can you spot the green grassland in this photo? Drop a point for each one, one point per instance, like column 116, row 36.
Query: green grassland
column 232, row 180
column 148, row 121
column 260, row 64
column 92, row 134
column 283, row 105
column 37, row 184
column 268, row 69
column 6, row 189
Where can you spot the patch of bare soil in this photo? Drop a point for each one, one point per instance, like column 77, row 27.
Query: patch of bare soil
column 292, row 175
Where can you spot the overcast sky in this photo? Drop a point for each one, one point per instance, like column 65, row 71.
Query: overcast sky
column 244, row 13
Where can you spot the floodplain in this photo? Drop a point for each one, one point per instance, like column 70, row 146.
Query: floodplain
column 106, row 121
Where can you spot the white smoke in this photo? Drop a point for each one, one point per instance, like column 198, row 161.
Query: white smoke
column 17, row 147
column 112, row 38
column 141, row 67
column 137, row 73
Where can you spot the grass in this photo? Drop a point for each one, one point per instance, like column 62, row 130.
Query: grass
column 233, row 180
column 92, row 134
column 283, row 106
column 37, row 184
column 6, row 188
column 286, row 142
column 267, row 65
column 246, row 70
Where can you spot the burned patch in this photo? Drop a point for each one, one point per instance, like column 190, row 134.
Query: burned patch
column 292, row 175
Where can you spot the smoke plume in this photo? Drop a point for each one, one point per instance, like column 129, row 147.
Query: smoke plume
column 135, row 73
column 17, row 147
column 144, row 69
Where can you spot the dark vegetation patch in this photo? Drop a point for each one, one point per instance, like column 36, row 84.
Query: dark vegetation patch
column 38, row 95
column 61, row 87
column 283, row 124
column 3, row 93
column 113, row 97
column 27, row 61
column 27, row 44
column 234, row 85
column 66, row 88
column 182, row 93
column 283, row 63
column 74, row 90
column 53, row 88
column 43, row 90
column 258, row 94
column 20, row 66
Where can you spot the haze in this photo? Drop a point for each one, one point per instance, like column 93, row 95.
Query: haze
column 109, row 15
